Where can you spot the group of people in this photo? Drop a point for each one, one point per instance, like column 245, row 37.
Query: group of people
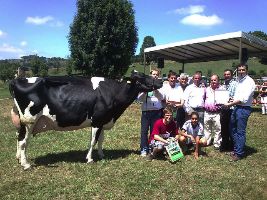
column 195, row 113
column 263, row 98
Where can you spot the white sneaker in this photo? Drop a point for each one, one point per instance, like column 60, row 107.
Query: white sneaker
column 143, row 154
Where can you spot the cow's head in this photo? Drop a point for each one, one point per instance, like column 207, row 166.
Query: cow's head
column 144, row 82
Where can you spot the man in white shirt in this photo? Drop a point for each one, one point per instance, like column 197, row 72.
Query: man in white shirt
column 173, row 93
column 180, row 116
column 151, row 112
column 194, row 98
column 242, row 100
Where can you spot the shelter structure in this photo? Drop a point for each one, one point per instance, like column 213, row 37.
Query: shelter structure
column 235, row 45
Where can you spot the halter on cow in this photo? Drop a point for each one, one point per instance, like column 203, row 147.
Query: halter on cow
column 70, row 103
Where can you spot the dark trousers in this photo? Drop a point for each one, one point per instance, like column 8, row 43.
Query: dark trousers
column 148, row 119
column 227, row 142
column 180, row 117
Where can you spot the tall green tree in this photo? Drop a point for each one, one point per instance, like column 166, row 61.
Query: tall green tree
column 259, row 34
column 38, row 66
column 148, row 42
column 263, row 36
column 103, row 37
column 69, row 66
column 8, row 70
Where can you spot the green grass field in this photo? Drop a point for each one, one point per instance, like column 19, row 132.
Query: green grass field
column 61, row 172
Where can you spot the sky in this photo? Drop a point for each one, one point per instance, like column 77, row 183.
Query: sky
column 42, row 27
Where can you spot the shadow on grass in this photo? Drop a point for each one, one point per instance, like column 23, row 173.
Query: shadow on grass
column 249, row 151
column 256, row 109
column 79, row 156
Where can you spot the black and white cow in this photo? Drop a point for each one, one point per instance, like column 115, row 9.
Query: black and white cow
column 70, row 103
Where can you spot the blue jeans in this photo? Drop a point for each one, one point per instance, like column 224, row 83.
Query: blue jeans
column 238, row 125
column 148, row 119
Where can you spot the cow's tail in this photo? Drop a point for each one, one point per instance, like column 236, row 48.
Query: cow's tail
column 11, row 88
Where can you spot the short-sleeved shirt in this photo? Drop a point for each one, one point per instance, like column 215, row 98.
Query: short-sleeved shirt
column 190, row 130
column 163, row 130
column 244, row 91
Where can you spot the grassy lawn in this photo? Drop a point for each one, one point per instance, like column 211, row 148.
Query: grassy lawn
column 60, row 172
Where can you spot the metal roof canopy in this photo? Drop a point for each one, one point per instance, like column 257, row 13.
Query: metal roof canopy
column 212, row 48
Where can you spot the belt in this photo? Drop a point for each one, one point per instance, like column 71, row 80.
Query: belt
column 151, row 110
column 238, row 106
column 213, row 111
column 198, row 109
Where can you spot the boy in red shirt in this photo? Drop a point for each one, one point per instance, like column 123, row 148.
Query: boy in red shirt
column 162, row 130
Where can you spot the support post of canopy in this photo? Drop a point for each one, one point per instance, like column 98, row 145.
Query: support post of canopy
column 240, row 55
column 144, row 63
column 240, row 50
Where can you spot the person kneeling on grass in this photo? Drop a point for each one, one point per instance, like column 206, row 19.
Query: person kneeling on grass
column 192, row 133
column 162, row 130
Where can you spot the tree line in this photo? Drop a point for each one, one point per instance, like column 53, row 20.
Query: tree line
column 103, row 38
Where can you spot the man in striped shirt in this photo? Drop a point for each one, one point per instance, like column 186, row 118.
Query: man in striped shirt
column 229, row 85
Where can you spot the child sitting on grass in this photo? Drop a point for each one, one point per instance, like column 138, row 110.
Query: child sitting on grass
column 192, row 133
column 162, row 130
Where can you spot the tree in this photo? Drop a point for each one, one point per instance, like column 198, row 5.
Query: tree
column 8, row 70
column 38, row 66
column 148, row 42
column 259, row 34
column 103, row 37
column 262, row 36
column 69, row 66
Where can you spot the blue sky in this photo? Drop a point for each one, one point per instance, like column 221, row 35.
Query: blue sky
column 41, row 27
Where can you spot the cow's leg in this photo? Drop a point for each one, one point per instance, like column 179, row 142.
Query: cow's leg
column 100, row 144
column 23, row 137
column 91, row 145
column 16, row 122
column 96, row 132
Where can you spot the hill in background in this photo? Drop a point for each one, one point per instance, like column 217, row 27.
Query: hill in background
column 256, row 69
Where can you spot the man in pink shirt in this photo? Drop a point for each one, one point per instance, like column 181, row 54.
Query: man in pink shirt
column 212, row 121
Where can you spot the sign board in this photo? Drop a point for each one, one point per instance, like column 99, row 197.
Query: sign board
column 221, row 96
column 174, row 150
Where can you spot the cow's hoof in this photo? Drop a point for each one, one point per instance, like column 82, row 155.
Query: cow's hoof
column 27, row 167
column 101, row 156
column 90, row 161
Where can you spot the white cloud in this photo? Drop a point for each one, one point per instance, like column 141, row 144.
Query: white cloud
column 56, row 24
column 189, row 10
column 38, row 20
column 2, row 34
column 6, row 48
column 10, row 52
column 23, row 43
column 35, row 51
column 201, row 20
